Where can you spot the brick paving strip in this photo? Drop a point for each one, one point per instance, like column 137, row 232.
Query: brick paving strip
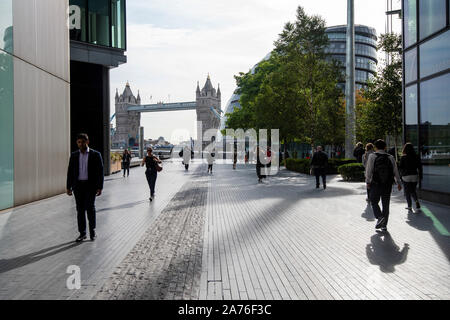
column 166, row 262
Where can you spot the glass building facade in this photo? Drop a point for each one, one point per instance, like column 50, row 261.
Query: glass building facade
column 426, row 80
column 98, row 22
column 6, row 105
column 365, row 51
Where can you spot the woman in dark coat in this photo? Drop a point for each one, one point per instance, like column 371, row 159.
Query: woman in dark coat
column 151, row 161
column 126, row 160
column 411, row 172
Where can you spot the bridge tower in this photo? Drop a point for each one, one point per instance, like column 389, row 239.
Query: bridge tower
column 127, row 122
column 206, row 98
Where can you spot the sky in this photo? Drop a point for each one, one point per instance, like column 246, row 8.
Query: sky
column 172, row 44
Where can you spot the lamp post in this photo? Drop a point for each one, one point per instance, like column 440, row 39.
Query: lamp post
column 350, row 117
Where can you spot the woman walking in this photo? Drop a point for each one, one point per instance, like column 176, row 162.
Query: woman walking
column 411, row 171
column 369, row 150
column 151, row 162
column 210, row 157
column 126, row 160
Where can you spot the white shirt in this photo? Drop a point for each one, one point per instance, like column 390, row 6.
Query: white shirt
column 83, row 165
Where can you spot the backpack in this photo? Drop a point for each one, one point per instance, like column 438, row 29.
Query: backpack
column 383, row 172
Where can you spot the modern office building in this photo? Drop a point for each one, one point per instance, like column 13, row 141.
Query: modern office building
column 55, row 58
column 426, row 83
column 97, row 44
column 365, row 51
column 34, row 100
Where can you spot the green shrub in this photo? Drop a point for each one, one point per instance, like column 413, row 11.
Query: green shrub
column 335, row 163
column 352, row 172
column 298, row 165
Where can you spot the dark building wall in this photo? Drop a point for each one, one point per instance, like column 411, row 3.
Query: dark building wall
column 89, row 107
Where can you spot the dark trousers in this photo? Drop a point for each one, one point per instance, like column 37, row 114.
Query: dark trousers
column 410, row 190
column 186, row 166
column 320, row 172
column 258, row 171
column 210, row 167
column 85, row 200
column 126, row 168
column 384, row 192
column 151, row 179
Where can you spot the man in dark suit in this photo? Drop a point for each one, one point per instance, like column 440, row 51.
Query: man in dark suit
column 85, row 180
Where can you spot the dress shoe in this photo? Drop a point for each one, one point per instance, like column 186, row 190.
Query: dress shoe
column 80, row 238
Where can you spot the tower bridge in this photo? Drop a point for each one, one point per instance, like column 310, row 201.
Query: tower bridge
column 129, row 108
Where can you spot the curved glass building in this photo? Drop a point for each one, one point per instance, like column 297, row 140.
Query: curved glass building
column 365, row 58
column 365, row 51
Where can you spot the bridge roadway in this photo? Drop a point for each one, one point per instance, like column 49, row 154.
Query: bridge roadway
column 177, row 106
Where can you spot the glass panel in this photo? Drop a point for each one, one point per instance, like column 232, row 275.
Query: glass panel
column 6, row 31
column 99, row 22
column 435, row 133
column 6, row 129
column 411, row 65
column 77, row 20
column 411, row 114
column 432, row 16
column 410, row 22
column 435, row 55
column 118, row 23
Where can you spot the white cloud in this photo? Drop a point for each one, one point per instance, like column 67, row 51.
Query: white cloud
column 173, row 44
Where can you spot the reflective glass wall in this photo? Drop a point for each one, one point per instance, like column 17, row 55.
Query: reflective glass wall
column 6, row 106
column 426, row 61
column 99, row 22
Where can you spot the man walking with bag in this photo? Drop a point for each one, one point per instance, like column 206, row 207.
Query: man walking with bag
column 381, row 171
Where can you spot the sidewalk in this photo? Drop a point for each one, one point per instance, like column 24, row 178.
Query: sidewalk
column 224, row 236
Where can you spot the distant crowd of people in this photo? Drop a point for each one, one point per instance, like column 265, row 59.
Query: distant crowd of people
column 85, row 175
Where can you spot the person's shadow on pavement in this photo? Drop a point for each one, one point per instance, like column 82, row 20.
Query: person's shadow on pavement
column 368, row 213
column 383, row 251
column 17, row 262
column 419, row 221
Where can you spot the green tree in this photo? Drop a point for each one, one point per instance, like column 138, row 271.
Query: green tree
column 381, row 114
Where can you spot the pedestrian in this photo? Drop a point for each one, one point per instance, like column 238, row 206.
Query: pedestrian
column 126, row 160
column 260, row 154
column 151, row 162
column 186, row 157
column 85, row 181
column 269, row 157
column 234, row 155
column 380, row 173
column 319, row 165
column 369, row 151
column 411, row 172
column 358, row 152
column 210, row 157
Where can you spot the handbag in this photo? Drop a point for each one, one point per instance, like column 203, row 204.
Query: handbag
column 158, row 167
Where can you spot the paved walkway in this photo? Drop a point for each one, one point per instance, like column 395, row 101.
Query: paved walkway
column 223, row 236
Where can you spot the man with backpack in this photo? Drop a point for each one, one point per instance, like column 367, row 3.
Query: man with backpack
column 381, row 171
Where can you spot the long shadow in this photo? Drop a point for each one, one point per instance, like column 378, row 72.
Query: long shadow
column 123, row 206
column 17, row 262
column 383, row 251
column 422, row 222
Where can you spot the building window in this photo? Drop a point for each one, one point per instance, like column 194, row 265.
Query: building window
column 411, row 65
column 118, row 23
column 435, row 133
column 411, row 114
column 99, row 22
column 6, row 106
column 432, row 16
column 435, row 55
column 410, row 22
column 77, row 20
